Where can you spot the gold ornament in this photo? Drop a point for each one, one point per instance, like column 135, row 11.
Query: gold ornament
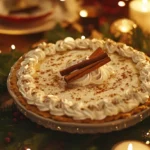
column 122, row 30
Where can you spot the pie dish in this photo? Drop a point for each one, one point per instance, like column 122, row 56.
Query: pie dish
column 44, row 9
column 112, row 97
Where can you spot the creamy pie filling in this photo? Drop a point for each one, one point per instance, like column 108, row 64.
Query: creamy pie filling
column 119, row 86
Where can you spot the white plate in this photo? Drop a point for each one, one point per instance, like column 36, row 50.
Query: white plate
column 23, row 23
column 44, row 9
column 40, row 25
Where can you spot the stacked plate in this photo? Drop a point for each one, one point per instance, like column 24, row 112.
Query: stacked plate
column 26, row 21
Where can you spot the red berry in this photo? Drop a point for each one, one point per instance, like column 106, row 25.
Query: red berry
column 7, row 140
column 9, row 134
column 16, row 114
column 14, row 120
column 22, row 117
column 38, row 126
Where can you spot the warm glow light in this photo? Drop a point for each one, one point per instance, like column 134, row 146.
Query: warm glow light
column 145, row 1
column 124, row 26
column 121, row 3
column 130, row 147
column 62, row 0
column 28, row 149
column 147, row 142
column 144, row 5
column 82, row 37
column 83, row 13
column 124, row 29
column 13, row 47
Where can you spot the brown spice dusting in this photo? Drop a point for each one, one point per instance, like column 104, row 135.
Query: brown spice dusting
column 122, row 89
column 42, row 72
column 124, row 76
column 115, row 102
column 78, row 99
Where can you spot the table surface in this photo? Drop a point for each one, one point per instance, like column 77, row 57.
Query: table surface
column 19, row 132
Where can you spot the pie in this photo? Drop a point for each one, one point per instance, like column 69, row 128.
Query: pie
column 118, row 89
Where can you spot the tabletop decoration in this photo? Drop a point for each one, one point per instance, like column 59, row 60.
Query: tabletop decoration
column 39, row 137
column 131, row 145
column 24, row 10
column 140, row 40
column 122, row 29
column 10, row 58
column 60, row 32
column 139, row 11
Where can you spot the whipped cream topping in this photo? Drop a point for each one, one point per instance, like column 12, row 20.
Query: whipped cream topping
column 119, row 86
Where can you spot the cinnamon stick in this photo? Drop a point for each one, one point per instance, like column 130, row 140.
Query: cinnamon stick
column 81, row 72
column 95, row 56
column 97, row 52
column 96, row 59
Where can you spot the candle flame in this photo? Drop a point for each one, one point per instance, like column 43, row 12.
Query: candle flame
column 144, row 5
column 28, row 148
column 130, row 146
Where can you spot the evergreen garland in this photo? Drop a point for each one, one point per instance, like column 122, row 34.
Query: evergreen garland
column 6, row 62
column 141, row 41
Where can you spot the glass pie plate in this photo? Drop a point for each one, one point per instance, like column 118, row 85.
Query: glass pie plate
column 81, row 128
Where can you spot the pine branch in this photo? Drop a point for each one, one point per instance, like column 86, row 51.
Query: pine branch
column 60, row 33
column 140, row 40
column 6, row 62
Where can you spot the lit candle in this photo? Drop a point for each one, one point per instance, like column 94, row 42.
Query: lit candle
column 139, row 11
column 131, row 145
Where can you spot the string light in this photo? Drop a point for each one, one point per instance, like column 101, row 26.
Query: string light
column 121, row 3
column 147, row 142
column 83, row 13
column 82, row 37
column 13, row 47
